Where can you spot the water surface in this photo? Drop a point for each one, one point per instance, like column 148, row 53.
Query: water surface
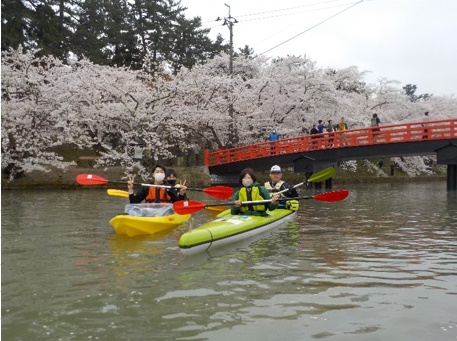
column 381, row 265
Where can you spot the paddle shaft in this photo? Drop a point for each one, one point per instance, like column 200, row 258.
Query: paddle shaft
column 220, row 192
column 125, row 194
column 190, row 206
column 320, row 176
column 256, row 202
column 244, row 203
column 153, row 185
column 287, row 189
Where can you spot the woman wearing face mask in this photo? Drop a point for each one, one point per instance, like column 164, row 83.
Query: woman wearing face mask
column 250, row 191
column 156, row 194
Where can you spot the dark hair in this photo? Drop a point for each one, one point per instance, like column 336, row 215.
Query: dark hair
column 245, row 171
column 158, row 166
column 169, row 172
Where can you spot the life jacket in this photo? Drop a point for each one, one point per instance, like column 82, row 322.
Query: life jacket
column 250, row 194
column 158, row 194
column 275, row 188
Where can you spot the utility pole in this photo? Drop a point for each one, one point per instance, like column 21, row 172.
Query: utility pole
column 230, row 21
column 233, row 135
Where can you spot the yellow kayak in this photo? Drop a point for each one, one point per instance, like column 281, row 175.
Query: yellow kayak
column 146, row 219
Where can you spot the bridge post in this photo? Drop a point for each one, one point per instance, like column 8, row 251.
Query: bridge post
column 328, row 183
column 451, row 177
column 447, row 155
column 310, row 166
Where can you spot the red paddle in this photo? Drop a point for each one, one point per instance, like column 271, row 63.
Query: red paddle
column 219, row 192
column 190, row 206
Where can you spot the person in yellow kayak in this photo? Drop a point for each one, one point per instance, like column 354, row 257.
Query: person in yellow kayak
column 152, row 194
column 171, row 177
column 251, row 191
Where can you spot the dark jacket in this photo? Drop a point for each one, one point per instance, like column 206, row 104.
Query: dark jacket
column 291, row 193
column 143, row 192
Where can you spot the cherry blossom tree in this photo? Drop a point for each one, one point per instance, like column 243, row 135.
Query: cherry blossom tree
column 28, row 126
column 110, row 110
column 47, row 104
column 284, row 94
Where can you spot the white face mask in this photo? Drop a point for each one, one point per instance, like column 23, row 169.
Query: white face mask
column 159, row 177
column 247, row 182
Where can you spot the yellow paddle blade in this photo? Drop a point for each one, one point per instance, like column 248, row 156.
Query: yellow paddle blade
column 215, row 209
column 118, row 193
column 323, row 175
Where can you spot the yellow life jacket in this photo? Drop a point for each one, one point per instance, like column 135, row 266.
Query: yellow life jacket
column 275, row 188
column 250, row 194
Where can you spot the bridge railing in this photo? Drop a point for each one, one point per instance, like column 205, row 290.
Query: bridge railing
column 387, row 134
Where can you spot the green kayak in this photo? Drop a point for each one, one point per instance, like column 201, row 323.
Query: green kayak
column 229, row 229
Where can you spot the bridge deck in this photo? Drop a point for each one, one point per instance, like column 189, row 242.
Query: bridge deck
column 413, row 138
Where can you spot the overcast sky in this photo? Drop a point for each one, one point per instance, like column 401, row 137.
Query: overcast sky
column 411, row 41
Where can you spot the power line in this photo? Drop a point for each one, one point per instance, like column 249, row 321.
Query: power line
column 290, row 8
column 285, row 28
column 295, row 13
column 277, row 16
column 280, row 10
column 331, row 17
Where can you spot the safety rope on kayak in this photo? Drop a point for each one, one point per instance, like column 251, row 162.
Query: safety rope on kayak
column 212, row 238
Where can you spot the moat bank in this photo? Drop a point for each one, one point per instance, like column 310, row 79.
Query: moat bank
column 196, row 176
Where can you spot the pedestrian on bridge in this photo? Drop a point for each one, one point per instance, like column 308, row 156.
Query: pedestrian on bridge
column 342, row 126
column 274, row 136
column 320, row 126
column 314, row 132
column 375, row 122
column 331, row 130
column 426, row 118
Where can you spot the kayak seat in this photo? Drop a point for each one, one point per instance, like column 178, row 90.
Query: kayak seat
column 292, row 205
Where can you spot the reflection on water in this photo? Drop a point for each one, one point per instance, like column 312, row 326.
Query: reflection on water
column 379, row 265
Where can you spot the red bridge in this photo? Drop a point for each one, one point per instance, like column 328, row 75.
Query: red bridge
column 312, row 153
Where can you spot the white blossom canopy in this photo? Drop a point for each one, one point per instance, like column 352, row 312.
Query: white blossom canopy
column 47, row 103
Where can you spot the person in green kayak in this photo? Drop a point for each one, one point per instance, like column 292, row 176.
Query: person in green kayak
column 152, row 194
column 251, row 191
column 276, row 184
